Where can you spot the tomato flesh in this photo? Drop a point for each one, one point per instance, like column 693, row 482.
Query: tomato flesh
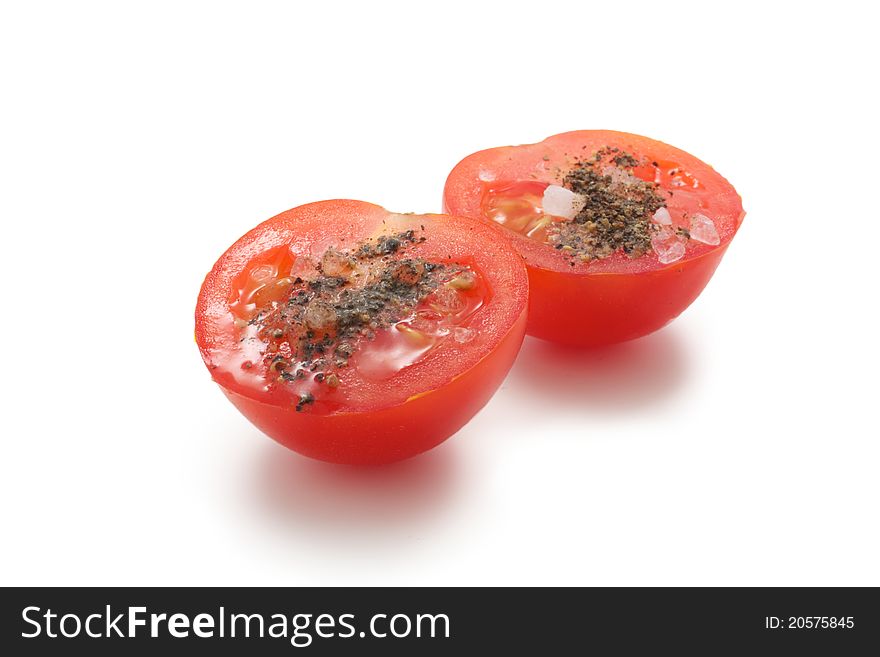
column 273, row 339
column 603, row 300
column 264, row 288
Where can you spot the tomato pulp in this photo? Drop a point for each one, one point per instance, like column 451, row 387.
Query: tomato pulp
column 642, row 229
column 355, row 335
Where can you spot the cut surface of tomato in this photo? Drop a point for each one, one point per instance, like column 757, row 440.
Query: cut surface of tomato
column 355, row 335
column 620, row 232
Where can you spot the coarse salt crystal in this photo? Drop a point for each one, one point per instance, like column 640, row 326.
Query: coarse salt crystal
column 562, row 202
column 662, row 217
column 668, row 245
column 703, row 230
column 621, row 176
column 673, row 253
column 462, row 334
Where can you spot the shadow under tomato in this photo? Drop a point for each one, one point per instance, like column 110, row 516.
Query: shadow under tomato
column 356, row 501
column 609, row 380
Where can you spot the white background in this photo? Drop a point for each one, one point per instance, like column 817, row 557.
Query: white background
column 737, row 446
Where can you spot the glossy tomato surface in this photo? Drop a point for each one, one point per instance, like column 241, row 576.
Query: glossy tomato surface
column 615, row 298
column 403, row 383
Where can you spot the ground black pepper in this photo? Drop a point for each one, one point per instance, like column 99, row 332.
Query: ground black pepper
column 305, row 400
column 618, row 210
column 317, row 328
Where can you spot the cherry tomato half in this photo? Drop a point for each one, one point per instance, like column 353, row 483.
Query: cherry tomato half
column 648, row 226
column 355, row 335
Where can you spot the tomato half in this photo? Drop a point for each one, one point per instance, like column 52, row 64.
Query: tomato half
column 355, row 335
column 648, row 226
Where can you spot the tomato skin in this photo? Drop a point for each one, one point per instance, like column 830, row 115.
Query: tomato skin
column 610, row 308
column 427, row 401
column 602, row 302
column 390, row 434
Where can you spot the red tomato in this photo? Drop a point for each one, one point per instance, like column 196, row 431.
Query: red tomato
column 602, row 300
column 355, row 335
